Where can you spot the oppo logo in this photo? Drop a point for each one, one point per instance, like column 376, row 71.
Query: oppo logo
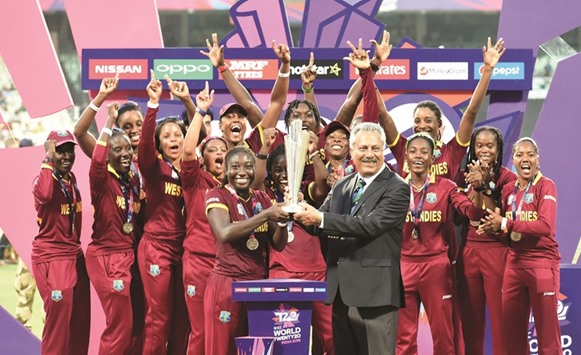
column 192, row 69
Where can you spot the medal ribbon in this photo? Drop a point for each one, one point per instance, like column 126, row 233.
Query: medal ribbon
column 71, row 200
column 417, row 213
column 128, row 195
column 241, row 208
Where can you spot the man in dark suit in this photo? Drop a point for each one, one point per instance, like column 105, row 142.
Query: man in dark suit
column 362, row 218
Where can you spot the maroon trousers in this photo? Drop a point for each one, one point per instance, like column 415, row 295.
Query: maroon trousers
column 197, row 268
column 64, row 288
column 166, row 320
column 429, row 282
column 111, row 276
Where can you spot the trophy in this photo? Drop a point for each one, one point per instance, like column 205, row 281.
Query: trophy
column 295, row 143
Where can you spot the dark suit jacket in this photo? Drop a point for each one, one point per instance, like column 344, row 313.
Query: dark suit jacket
column 363, row 257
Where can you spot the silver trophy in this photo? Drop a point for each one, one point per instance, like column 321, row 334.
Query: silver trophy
column 295, row 143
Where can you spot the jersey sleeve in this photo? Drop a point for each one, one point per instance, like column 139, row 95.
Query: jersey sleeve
column 214, row 199
column 546, row 213
column 98, row 170
column 370, row 105
column 147, row 157
column 43, row 187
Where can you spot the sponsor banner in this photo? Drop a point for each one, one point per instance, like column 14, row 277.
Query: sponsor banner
column 421, row 69
column 184, row 69
column 326, row 69
column 502, row 71
column 128, row 69
column 253, row 69
column 392, row 69
column 442, row 70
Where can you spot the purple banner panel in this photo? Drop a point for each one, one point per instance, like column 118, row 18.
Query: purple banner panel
column 15, row 338
column 257, row 68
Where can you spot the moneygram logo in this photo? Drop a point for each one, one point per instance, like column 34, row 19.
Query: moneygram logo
column 326, row 69
column 392, row 69
column 286, row 316
column 253, row 69
column 128, row 69
column 502, row 71
column 184, row 69
column 442, row 71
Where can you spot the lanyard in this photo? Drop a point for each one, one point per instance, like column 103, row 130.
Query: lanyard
column 128, row 195
column 256, row 206
column 417, row 213
column 516, row 212
column 71, row 200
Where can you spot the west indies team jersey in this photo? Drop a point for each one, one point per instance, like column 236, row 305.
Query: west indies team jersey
column 163, row 189
column 536, row 222
column 447, row 161
column 196, row 182
column 57, row 211
column 505, row 178
column 430, row 239
column 302, row 252
column 113, row 197
column 235, row 259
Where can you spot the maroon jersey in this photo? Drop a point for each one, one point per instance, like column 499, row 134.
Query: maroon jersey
column 505, row 178
column 110, row 201
column 536, row 221
column 255, row 140
column 435, row 213
column 236, row 259
column 196, row 183
column 163, row 188
column 447, row 162
column 301, row 254
column 56, row 239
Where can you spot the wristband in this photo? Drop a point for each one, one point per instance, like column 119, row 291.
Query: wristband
column 306, row 91
column 503, row 224
column 480, row 188
column 261, row 156
column 281, row 224
column 94, row 107
column 222, row 68
column 107, row 131
column 48, row 160
column 284, row 75
column 201, row 112
column 320, row 152
column 374, row 67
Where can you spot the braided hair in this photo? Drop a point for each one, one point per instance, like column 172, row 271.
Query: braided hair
column 272, row 158
column 499, row 146
column 295, row 104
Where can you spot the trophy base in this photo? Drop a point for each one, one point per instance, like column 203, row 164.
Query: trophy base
column 292, row 208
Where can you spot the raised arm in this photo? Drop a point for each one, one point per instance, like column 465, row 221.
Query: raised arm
column 147, row 152
column 98, row 169
column 44, row 183
column 280, row 88
column 490, row 55
column 81, row 131
column 204, row 100
column 261, row 158
column 216, row 55
column 180, row 90
column 308, row 77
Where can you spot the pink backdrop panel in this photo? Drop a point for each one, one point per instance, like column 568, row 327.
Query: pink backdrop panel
column 31, row 59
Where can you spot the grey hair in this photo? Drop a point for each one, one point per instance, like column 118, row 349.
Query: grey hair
column 525, row 139
column 367, row 127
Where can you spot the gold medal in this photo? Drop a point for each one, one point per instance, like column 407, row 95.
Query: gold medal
column 127, row 228
column 415, row 233
column 252, row 243
column 290, row 237
column 515, row 236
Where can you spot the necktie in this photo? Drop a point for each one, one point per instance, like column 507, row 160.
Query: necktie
column 357, row 193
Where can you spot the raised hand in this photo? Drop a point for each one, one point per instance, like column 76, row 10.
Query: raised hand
column 50, row 148
column 282, row 52
column 382, row 49
column 359, row 57
column 108, row 85
column 154, row 88
column 205, row 98
column 475, row 176
column 269, row 137
column 491, row 54
column 309, row 75
column 178, row 89
column 215, row 52
column 112, row 109
column 313, row 144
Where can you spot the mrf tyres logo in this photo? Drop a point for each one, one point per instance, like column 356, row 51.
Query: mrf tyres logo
column 285, row 329
column 184, row 69
column 326, row 69
column 253, row 69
